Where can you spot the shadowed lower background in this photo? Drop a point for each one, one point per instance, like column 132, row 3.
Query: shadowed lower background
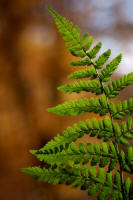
column 34, row 61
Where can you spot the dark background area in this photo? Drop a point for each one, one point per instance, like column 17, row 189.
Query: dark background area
column 33, row 62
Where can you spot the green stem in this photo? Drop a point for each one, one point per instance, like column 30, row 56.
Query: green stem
column 115, row 142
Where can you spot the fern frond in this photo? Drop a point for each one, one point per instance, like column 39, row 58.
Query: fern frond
column 127, row 160
column 104, row 183
column 66, row 161
column 124, row 133
column 121, row 137
column 121, row 109
column 77, row 107
column 70, row 34
column 87, row 86
column 79, row 46
column 112, row 90
column 124, row 165
column 110, row 68
column 102, row 59
column 127, row 126
column 101, row 129
column 88, row 44
column 84, row 73
column 127, row 188
column 95, row 50
column 79, row 63
column 81, row 154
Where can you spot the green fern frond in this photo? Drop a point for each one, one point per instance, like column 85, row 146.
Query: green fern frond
column 79, row 63
column 102, row 182
column 84, row 73
column 120, row 136
column 95, row 50
column 87, row 86
column 127, row 126
column 103, row 59
column 101, row 129
column 127, row 160
column 88, row 44
column 79, row 46
column 67, row 162
column 81, row 154
column 121, row 109
column 127, row 188
column 77, row 107
column 107, row 72
column 112, row 90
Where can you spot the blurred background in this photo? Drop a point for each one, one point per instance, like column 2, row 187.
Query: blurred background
column 34, row 61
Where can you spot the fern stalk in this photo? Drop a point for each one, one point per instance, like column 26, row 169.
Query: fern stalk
column 115, row 142
column 121, row 171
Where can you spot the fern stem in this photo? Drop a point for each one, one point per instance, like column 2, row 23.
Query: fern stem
column 116, row 144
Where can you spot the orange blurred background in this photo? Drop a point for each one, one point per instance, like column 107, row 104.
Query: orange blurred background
column 34, row 61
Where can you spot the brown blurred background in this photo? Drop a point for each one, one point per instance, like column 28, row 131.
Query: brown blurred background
column 34, row 61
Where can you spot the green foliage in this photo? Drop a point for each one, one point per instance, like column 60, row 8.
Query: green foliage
column 101, row 129
column 87, row 86
column 84, row 73
column 74, row 154
column 102, row 59
column 81, row 164
column 86, row 61
column 112, row 90
column 109, row 69
column 88, row 179
column 121, row 109
column 77, row 107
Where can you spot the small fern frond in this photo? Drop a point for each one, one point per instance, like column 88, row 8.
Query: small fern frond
column 127, row 188
column 102, row 59
column 77, row 107
column 82, row 154
column 84, row 73
column 87, row 86
column 106, row 184
column 79, row 63
column 119, row 134
column 127, row 126
column 127, row 160
column 101, row 129
column 112, row 90
column 107, row 72
column 87, row 44
column 95, row 50
column 121, row 109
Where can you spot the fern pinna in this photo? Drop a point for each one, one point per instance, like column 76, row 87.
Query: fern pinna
column 83, row 165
